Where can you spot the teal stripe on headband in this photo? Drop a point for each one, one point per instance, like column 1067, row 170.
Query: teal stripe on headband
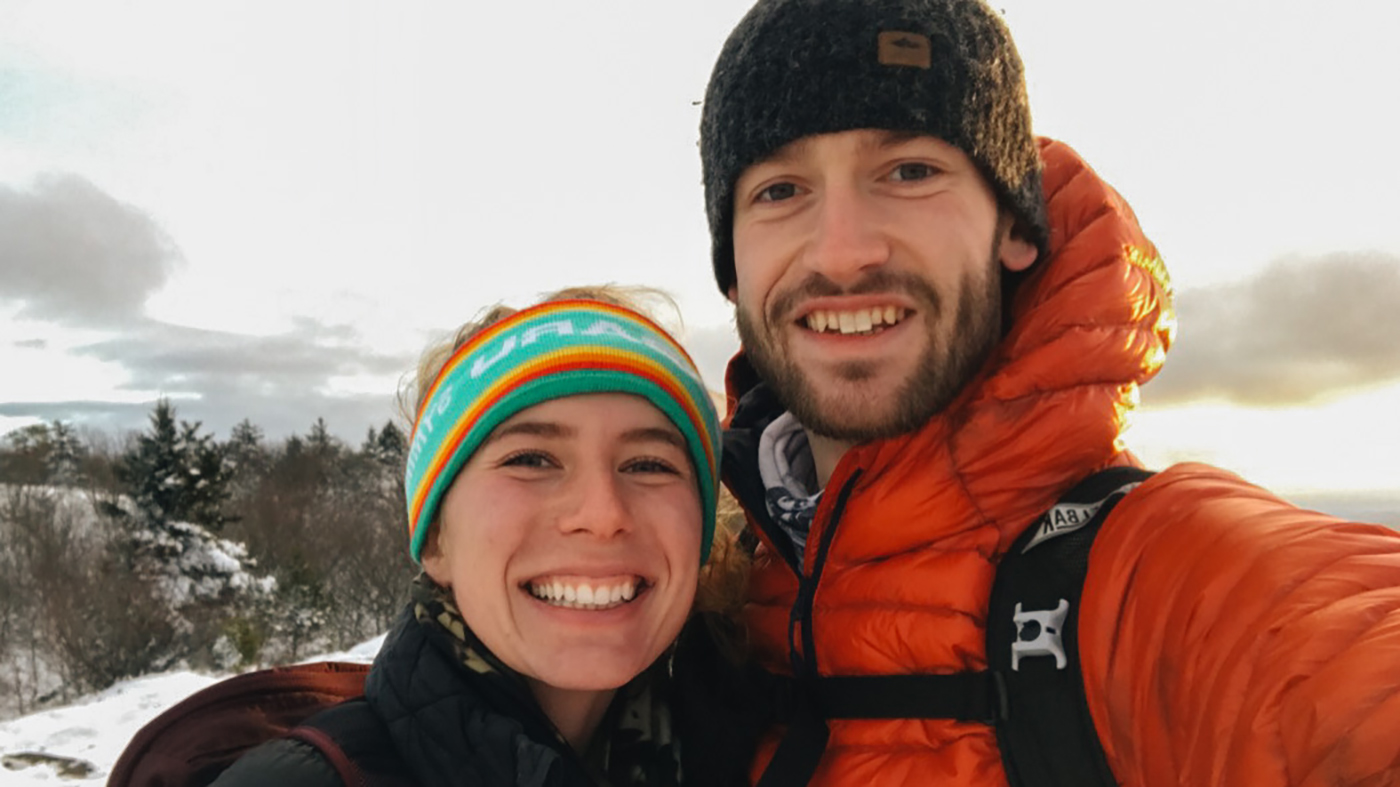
column 556, row 349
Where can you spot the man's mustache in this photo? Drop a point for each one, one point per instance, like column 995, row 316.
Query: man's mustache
column 818, row 285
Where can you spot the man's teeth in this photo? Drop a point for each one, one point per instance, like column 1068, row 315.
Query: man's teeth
column 583, row 596
column 858, row 321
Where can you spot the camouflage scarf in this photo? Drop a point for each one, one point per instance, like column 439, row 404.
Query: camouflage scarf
column 633, row 745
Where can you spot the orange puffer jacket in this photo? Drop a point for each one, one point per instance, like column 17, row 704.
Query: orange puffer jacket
column 1227, row 638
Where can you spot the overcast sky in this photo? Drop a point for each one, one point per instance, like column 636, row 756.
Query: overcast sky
column 267, row 209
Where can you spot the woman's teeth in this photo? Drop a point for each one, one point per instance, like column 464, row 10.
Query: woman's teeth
column 580, row 595
column 857, row 321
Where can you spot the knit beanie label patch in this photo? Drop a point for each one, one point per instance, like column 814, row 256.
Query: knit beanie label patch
column 898, row 48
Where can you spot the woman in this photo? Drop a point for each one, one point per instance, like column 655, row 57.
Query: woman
column 561, row 486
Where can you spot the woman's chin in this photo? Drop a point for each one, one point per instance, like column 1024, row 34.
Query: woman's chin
column 588, row 672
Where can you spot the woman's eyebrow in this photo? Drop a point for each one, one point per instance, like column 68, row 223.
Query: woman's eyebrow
column 531, row 429
column 654, row 434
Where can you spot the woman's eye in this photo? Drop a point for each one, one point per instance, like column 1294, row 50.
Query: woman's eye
column 528, row 459
column 912, row 171
column 777, row 192
column 650, row 464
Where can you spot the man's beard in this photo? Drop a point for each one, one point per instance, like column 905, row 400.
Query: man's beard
column 948, row 362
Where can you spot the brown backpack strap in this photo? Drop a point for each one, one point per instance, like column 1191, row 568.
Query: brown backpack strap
column 357, row 744
column 345, row 767
column 192, row 742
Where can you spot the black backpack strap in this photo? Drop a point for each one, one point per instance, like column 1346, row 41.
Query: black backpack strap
column 355, row 741
column 798, row 753
column 1047, row 736
column 807, row 705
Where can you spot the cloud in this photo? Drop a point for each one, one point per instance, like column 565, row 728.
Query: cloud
column 1300, row 331
column 73, row 254
column 160, row 356
column 110, row 417
column 282, row 382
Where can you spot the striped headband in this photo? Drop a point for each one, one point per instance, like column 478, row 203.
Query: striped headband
column 556, row 349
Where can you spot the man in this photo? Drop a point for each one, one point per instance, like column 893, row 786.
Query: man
column 944, row 323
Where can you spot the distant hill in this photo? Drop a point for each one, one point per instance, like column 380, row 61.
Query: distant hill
column 1381, row 506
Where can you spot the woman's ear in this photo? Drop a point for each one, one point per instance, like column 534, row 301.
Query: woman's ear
column 434, row 557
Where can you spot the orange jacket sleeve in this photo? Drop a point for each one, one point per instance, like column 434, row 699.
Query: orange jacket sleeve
column 1229, row 638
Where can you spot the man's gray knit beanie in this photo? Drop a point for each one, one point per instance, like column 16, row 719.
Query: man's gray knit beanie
column 794, row 68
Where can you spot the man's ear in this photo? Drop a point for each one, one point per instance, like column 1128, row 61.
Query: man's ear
column 434, row 559
column 733, row 294
column 1016, row 252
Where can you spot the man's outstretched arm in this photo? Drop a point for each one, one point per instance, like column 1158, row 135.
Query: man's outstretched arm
column 1230, row 638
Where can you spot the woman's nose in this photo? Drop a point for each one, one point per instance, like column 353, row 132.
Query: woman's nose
column 599, row 508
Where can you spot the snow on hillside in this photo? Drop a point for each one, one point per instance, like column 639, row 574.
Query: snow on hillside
column 92, row 732
column 72, row 505
column 189, row 564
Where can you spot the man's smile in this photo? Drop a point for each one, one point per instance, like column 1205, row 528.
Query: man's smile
column 854, row 321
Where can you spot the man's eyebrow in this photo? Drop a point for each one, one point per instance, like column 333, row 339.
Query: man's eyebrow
column 788, row 152
column 890, row 139
column 883, row 140
column 531, row 429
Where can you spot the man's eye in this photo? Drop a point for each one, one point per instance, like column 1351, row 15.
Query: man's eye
column 911, row 171
column 777, row 192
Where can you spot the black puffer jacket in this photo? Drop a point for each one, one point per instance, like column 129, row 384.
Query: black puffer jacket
column 451, row 725
column 448, row 726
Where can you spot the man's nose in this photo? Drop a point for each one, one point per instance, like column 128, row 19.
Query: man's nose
column 597, row 507
column 846, row 239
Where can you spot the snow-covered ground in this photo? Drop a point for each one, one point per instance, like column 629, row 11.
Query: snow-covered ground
column 95, row 729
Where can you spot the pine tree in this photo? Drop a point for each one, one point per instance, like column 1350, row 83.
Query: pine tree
column 385, row 448
column 176, row 474
column 247, row 456
column 391, row 445
column 207, row 475
column 249, row 462
column 67, row 455
column 322, row 443
column 179, row 481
